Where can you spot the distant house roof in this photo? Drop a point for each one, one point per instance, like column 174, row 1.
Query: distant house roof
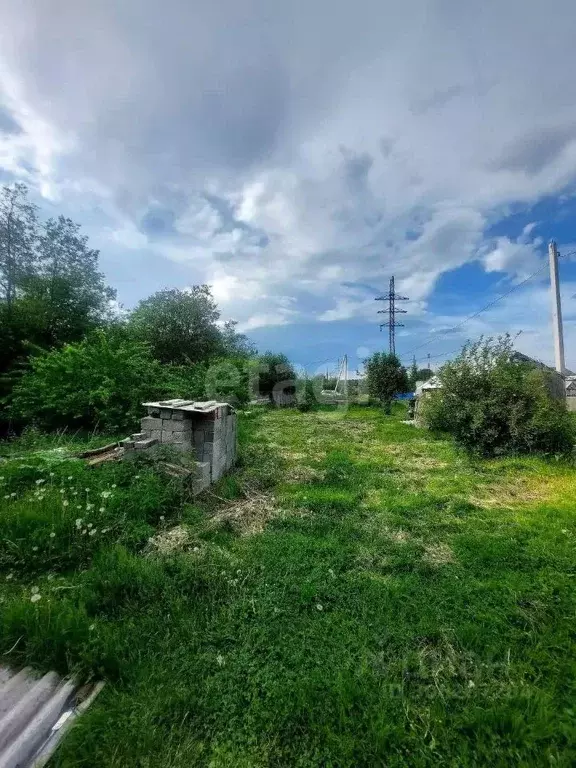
column 520, row 357
column 425, row 386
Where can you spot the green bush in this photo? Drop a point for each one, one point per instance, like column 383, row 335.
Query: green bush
column 491, row 404
column 306, row 396
column 97, row 383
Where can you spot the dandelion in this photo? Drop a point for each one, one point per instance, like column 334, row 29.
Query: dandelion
column 91, row 627
column 196, row 549
column 7, row 496
column 87, row 490
column 113, row 485
column 89, row 507
column 10, row 577
column 106, row 494
column 52, row 535
column 85, row 531
column 220, row 660
column 35, row 597
column 90, row 525
column 319, row 607
column 564, row 530
column 12, row 495
column 471, row 684
column 69, row 477
column 34, row 549
column 62, row 490
column 331, row 572
column 92, row 532
column 74, row 493
column 101, row 509
column 35, row 590
column 136, row 477
column 162, row 517
column 39, row 482
column 78, row 506
column 51, row 474
column 65, row 503
column 105, row 530
column 238, row 572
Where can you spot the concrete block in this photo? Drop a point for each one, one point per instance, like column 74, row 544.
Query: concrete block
column 156, row 434
column 139, row 436
column 127, row 443
column 178, row 415
column 166, row 413
column 154, row 412
column 203, row 470
column 149, row 423
column 179, row 426
column 142, row 445
column 173, row 438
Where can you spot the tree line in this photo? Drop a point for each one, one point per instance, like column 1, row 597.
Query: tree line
column 70, row 359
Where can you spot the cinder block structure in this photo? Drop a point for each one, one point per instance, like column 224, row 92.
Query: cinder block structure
column 206, row 429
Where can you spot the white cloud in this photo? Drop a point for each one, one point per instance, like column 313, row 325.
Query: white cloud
column 298, row 155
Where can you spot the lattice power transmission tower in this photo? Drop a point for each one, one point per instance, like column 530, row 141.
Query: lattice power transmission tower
column 392, row 297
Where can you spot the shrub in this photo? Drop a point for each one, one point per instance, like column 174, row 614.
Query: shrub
column 386, row 377
column 490, row 403
column 306, row 396
column 99, row 382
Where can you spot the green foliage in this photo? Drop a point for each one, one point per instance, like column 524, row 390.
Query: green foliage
column 275, row 375
column 491, row 403
column 96, row 383
column 179, row 326
column 416, row 374
column 307, row 395
column 386, row 377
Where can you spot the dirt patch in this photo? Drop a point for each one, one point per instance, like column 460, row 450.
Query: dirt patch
column 438, row 554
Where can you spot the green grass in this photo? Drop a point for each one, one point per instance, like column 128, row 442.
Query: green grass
column 358, row 593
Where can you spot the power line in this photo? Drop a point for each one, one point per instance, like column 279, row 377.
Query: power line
column 487, row 306
column 392, row 297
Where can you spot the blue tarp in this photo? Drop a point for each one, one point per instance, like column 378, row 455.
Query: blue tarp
column 405, row 396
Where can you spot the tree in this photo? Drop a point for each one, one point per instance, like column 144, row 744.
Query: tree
column 386, row 377
column 490, row 403
column 236, row 344
column 68, row 282
column 180, row 326
column 18, row 221
column 275, row 375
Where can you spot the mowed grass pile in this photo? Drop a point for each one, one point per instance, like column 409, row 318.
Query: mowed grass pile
column 357, row 594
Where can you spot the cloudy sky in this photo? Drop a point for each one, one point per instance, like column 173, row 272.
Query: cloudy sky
column 296, row 155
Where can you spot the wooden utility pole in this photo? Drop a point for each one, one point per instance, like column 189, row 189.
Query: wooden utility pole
column 557, row 328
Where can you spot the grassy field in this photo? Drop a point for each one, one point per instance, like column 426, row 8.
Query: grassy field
column 358, row 593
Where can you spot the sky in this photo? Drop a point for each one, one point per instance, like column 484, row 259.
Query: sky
column 297, row 155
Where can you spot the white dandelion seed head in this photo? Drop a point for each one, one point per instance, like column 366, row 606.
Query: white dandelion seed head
column 35, row 590
column 101, row 509
column 319, row 607
column 92, row 627
column 52, row 535
column 162, row 517
column 220, row 660
column 90, row 525
column 92, row 532
column 69, row 477
column 34, row 549
column 35, row 597
column 62, row 490
column 12, row 495
column 65, row 503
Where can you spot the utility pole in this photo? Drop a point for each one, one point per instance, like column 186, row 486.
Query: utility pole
column 392, row 310
column 557, row 328
column 429, row 362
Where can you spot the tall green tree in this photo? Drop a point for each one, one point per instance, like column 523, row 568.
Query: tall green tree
column 275, row 374
column 386, row 377
column 18, row 236
column 180, row 326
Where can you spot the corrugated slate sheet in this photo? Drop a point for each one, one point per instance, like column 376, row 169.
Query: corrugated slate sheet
column 35, row 712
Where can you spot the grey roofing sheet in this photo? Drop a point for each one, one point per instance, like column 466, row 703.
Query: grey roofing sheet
column 35, row 712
